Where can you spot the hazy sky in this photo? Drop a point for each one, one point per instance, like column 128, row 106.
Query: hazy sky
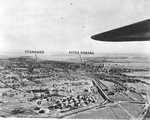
column 63, row 25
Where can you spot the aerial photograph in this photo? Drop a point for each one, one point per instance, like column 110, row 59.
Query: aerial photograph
column 75, row 59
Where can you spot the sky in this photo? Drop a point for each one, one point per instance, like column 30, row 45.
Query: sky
column 65, row 25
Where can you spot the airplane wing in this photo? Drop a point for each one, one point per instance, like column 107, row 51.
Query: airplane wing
column 134, row 32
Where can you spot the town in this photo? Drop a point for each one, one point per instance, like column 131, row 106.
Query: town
column 32, row 88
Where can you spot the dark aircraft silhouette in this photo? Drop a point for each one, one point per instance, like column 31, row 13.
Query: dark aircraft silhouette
column 135, row 32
